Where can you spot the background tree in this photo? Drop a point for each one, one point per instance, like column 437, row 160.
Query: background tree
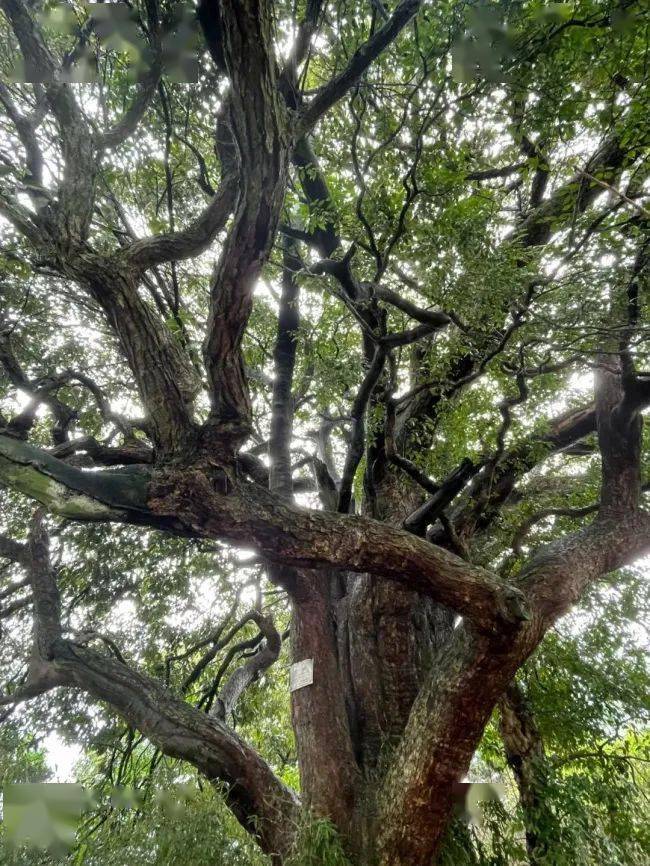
column 340, row 302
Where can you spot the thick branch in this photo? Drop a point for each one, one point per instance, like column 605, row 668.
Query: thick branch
column 259, row 125
column 133, row 453
column 264, row 806
column 293, row 536
column 557, row 575
column 284, row 357
column 197, row 237
column 619, row 440
column 435, row 318
column 75, row 198
column 166, row 378
column 573, row 197
column 68, row 491
column 191, row 503
column 259, row 800
column 26, row 129
column 451, row 711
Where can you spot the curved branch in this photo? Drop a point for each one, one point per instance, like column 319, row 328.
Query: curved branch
column 436, row 318
column 68, row 491
column 335, row 89
column 259, row 800
column 542, row 514
column 197, row 237
column 450, row 713
column 128, row 124
column 259, row 124
column 229, row 508
column 252, row 669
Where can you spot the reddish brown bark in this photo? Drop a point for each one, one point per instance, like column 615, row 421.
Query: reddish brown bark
column 400, row 698
column 330, row 776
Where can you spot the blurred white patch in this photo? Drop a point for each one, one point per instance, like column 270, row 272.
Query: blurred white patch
column 61, row 758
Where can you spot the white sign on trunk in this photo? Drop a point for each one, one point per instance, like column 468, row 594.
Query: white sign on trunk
column 301, row 674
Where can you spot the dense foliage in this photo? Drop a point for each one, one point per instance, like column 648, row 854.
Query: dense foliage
column 462, row 249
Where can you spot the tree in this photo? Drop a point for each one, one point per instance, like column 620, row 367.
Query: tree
column 429, row 218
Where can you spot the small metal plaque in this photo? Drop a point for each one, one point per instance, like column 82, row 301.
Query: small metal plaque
column 301, row 674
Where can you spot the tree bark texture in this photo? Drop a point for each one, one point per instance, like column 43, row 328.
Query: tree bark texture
column 413, row 644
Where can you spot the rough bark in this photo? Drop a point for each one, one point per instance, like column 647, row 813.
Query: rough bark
column 259, row 125
column 166, row 379
column 393, row 635
column 453, row 707
column 226, row 507
column 329, row 773
column 259, row 800
column 263, row 805
column 390, row 670
column 526, row 758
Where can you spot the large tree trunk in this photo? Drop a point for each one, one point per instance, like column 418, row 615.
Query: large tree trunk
column 329, row 775
column 401, row 692
column 393, row 634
